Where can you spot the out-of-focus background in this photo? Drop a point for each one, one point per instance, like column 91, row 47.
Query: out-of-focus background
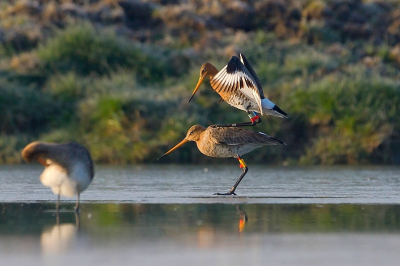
column 116, row 76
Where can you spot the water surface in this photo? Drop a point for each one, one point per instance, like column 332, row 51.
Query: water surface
column 200, row 234
column 197, row 184
column 168, row 215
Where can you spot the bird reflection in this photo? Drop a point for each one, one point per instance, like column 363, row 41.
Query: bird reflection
column 242, row 218
column 208, row 234
column 60, row 237
column 206, row 237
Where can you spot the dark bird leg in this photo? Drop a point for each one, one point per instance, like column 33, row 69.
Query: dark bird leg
column 254, row 117
column 77, row 220
column 57, row 218
column 58, row 203
column 77, row 204
column 244, row 172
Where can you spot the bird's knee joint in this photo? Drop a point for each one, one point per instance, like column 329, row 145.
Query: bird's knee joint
column 242, row 163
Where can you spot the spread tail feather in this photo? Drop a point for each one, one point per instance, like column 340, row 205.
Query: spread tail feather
column 272, row 109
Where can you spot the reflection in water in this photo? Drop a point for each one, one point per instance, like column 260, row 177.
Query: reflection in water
column 207, row 234
column 59, row 237
column 205, row 237
column 242, row 219
column 153, row 221
column 201, row 234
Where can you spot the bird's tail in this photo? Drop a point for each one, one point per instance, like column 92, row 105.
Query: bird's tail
column 270, row 108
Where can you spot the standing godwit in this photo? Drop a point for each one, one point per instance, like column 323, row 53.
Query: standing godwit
column 68, row 167
column 239, row 86
column 217, row 141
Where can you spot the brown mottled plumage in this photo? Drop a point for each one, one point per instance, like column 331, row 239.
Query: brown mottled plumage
column 68, row 167
column 234, row 142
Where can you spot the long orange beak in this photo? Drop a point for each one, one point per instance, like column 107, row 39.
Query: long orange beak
column 197, row 87
column 174, row 148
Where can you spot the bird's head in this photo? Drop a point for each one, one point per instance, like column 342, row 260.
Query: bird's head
column 193, row 134
column 34, row 152
column 206, row 69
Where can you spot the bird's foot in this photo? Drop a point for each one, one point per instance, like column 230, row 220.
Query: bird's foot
column 226, row 194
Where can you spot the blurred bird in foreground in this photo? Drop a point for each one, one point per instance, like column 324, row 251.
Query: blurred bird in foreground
column 68, row 167
column 234, row 142
column 238, row 85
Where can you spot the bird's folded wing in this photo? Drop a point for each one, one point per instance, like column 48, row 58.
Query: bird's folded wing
column 239, row 136
column 232, row 136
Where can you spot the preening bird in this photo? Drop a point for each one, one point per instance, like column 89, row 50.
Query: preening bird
column 68, row 167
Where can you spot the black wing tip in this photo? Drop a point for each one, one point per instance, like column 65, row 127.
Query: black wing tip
column 280, row 142
column 279, row 110
column 243, row 57
column 233, row 65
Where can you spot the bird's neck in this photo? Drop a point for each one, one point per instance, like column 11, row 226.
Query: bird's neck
column 212, row 71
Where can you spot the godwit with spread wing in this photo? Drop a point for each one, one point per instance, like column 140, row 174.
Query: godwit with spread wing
column 239, row 86
column 68, row 167
column 217, row 141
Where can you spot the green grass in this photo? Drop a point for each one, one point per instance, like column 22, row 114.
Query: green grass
column 351, row 116
column 85, row 50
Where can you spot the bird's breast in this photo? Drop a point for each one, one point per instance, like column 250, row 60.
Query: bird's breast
column 215, row 150
column 241, row 102
column 53, row 175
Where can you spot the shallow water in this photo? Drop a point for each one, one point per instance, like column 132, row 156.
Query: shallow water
column 155, row 215
column 197, row 184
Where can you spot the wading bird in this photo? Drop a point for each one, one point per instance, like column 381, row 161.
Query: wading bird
column 239, row 86
column 217, row 141
column 68, row 167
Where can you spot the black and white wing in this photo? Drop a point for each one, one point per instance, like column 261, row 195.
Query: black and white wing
column 235, row 77
column 246, row 63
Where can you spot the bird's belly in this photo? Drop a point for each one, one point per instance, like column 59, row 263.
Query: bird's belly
column 243, row 149
column 241, row 102
column 56, row 177
column 217, row 150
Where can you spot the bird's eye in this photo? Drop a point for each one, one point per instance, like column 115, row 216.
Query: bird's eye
column 191, row 133
column 203, row 70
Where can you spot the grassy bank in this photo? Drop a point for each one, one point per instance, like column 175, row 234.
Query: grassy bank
column 126, row 100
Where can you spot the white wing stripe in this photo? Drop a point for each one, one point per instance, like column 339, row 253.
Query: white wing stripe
column 237, row 82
